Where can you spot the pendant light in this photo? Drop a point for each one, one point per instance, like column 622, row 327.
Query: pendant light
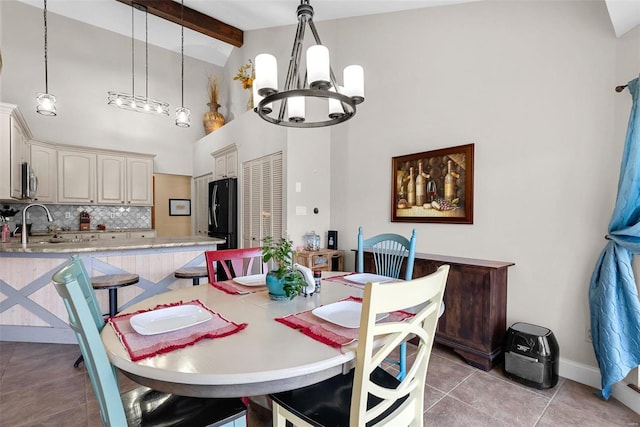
column 183, row 115
column 317, row 82
column 46, row 102
column 131, row 101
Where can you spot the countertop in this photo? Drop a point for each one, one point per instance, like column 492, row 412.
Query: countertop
column 99, row 245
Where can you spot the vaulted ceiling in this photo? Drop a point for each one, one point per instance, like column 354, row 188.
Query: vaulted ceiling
column 214, row 27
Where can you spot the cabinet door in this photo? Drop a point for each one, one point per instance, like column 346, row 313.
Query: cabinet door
column 221, row 167
column 44, row 163
column 19, row 154
column 76, row 177
column 231, row 161
column 139, row 181
column 111, row 179
column 116, row 235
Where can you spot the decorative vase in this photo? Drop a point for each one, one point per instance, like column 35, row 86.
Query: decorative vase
column 275, row 286
column 213, row 119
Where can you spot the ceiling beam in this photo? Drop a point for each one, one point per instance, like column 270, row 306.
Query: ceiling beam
column 194, row 20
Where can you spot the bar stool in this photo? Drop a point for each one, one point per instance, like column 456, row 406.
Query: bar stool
column 194, row 273
column 111, row 282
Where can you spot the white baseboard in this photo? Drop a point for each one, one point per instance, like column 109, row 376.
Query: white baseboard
column 589, row 375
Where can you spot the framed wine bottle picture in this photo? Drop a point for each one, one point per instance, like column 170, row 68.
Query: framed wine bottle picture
column 433, row 186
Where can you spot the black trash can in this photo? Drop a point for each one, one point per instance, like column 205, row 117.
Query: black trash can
column 531, row 355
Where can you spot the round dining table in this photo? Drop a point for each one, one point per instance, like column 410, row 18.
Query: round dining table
column 265, row 357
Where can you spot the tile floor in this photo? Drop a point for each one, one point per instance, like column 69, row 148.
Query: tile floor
column 40, row 387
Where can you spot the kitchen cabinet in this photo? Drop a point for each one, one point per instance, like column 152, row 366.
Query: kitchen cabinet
column 76, row 177
column 475, row 317
column 44, row 161
column 201, row 205
column 14, row 150
column 111, row 179
column 115, row 235
column 142, row 234
column 226, row 163
column 139, row 181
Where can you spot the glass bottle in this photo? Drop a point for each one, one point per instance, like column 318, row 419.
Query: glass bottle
column 449, row 184
column 421, row 185
column 411, row 189
column 6, row 234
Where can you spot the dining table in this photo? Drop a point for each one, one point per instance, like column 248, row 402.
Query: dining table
column 264, row 356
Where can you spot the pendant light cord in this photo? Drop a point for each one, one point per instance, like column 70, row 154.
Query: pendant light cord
column 46, row 68
column 133, row 62
column 146, row 53
column 182, row 51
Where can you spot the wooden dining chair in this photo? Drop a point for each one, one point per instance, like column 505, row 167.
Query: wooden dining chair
column 141, row 406
column 234, row 263
column 369, row 395
column 389, row 252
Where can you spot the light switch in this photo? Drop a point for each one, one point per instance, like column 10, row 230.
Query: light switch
column 301, row 210
column 298, row 187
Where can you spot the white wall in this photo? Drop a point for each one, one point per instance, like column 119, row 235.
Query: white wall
column 84, row 63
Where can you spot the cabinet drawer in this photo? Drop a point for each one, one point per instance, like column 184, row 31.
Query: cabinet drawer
column 142, row 234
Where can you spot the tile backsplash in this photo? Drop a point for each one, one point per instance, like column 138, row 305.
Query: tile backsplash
column 113, row 217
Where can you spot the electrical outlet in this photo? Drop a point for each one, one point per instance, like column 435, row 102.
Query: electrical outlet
column 67, row 215
column 113, row 215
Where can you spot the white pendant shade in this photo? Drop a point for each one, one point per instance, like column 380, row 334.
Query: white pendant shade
column 266, row 73
column 295, row 106
column 354, row 82
column 183, row 117
column 318, row 66
column 46, row 104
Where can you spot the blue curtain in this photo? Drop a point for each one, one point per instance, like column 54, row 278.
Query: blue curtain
column 613, row 296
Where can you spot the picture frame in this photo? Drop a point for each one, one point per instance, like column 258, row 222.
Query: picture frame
column 433, row 186
column 180, row 207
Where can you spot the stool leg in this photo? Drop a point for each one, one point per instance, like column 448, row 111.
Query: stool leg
column 113, row 302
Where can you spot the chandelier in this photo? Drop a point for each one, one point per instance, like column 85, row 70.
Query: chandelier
column 46, row 102
column 317, row 83
column 132, row 101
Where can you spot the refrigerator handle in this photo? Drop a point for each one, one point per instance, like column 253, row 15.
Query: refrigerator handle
column 214, row 205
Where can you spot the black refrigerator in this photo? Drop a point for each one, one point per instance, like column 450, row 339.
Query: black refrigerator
column 223, row 211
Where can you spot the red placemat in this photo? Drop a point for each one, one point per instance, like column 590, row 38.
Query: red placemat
column 143, row 346
column 343, row 279
column 234, row 288
column 330, row 333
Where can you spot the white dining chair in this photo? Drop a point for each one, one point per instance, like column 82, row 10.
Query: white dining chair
column 141, row 406
column 368, row 395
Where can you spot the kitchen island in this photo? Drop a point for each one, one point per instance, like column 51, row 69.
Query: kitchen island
column 31, row 310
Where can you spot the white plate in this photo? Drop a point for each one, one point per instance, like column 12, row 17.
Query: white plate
column 168, row 319
column 253, row 280
column 343, row 313
column 364, row 278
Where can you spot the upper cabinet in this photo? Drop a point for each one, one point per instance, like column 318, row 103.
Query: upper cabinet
column 125, row 180
column 76, row 177
column 226, row 163
column 14, row 150
column 44, row 161
column 139, row 181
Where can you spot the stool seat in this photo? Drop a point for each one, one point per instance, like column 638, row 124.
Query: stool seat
column 114, row 281
column 194, row 273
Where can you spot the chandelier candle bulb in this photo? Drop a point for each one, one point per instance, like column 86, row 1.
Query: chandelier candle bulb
column 318, row 67
column 335, row 106
column 354, row 83
column 266, row 74
column 295, row 107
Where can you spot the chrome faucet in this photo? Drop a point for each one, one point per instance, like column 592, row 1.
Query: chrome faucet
column 24, row 220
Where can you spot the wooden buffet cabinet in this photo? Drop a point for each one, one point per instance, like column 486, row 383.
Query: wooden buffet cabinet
column 475, row 317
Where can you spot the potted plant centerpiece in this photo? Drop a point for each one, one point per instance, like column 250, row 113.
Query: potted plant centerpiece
column 282, row 280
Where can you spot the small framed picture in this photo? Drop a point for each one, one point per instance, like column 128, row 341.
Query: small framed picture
column 433, row 186
column 180, row 207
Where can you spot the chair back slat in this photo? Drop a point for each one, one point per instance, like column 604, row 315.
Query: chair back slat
column 426, row 293
column 234, row 262
column 73, row 285
column 389, row 253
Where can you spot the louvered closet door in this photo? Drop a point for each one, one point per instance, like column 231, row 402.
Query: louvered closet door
column 262, row 189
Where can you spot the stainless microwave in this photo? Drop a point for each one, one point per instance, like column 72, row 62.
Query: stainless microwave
column 29, row 182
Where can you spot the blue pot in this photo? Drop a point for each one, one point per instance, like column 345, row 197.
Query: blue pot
column 276, row 287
